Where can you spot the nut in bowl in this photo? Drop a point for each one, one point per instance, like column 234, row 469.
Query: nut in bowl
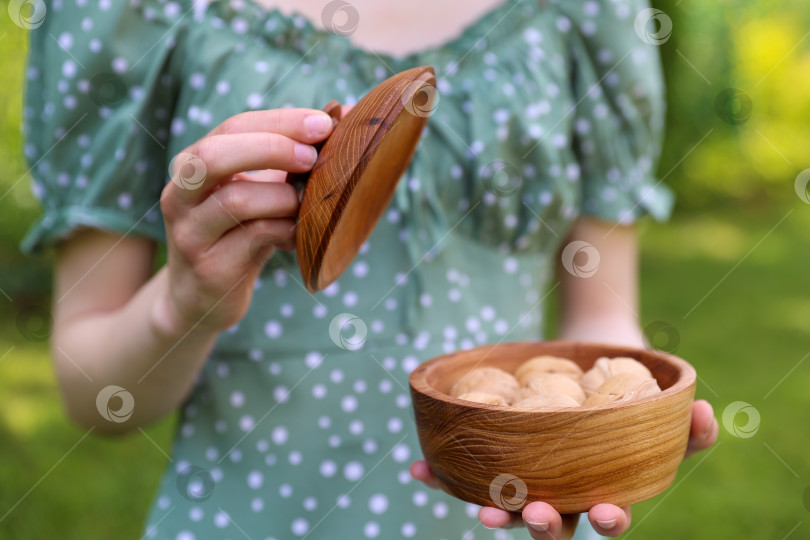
column 553, row 449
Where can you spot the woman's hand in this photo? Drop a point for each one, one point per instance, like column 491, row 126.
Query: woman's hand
column 223, row 223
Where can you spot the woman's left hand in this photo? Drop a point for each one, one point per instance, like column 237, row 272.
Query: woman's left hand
column 543, row 522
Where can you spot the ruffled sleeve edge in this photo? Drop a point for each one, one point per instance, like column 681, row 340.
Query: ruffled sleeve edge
column 651, row 197
column 62, row 223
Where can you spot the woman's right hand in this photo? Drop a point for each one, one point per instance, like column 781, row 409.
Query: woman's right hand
column 222, row 222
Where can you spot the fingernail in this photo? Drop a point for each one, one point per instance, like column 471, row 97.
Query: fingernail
column 609, row 524
column 305, row 154
column 318, row 124
column 539, row 527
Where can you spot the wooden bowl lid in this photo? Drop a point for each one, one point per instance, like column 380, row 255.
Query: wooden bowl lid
column 357, row 172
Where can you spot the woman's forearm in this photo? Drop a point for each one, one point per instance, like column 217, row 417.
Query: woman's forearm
column 135, row 347
column 601, row 305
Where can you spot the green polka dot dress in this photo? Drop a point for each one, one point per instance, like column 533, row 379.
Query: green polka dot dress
column 547, row 111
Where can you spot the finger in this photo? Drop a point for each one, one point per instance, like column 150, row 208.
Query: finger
column 267, row 175
column 344, row 110
column 251, row 243
column 703, row 432
column 495, row 518
column 542, row 521
column 237, row 202
column 420, row 470
column 609, row 519
column 196, row 170
column 303, row 125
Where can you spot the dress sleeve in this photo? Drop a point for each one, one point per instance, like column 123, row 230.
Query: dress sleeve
column 98, row 104
column 619, row 113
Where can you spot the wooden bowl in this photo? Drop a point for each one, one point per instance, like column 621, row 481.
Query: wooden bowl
column 497, row 455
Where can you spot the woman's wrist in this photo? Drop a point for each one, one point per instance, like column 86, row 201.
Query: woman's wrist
column 616, row 330
column 165, row 318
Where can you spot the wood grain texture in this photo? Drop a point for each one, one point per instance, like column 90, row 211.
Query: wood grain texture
column 356, row 175
column 620, row 453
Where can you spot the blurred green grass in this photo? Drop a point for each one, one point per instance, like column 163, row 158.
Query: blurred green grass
column 725, row 249
column 57, row 483
column 745, row 339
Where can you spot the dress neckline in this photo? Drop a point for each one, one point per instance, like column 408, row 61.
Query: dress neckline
column 300, row 32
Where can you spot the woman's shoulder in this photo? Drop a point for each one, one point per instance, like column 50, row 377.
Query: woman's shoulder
column 97, row 115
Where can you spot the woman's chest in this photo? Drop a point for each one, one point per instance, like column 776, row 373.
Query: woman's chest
column 389, row 27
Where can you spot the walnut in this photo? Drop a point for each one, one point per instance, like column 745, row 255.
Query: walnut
column 523, row 393
column 605, row 368
column 483, row 397
column 489, row 380
column 552, row 383
column 623, row 387
column 547, row 364
column 547, row 401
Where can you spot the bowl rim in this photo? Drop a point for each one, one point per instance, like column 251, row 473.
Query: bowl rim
column 686, row 378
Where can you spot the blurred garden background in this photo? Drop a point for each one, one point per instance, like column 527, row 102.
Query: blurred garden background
column 726, row 282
